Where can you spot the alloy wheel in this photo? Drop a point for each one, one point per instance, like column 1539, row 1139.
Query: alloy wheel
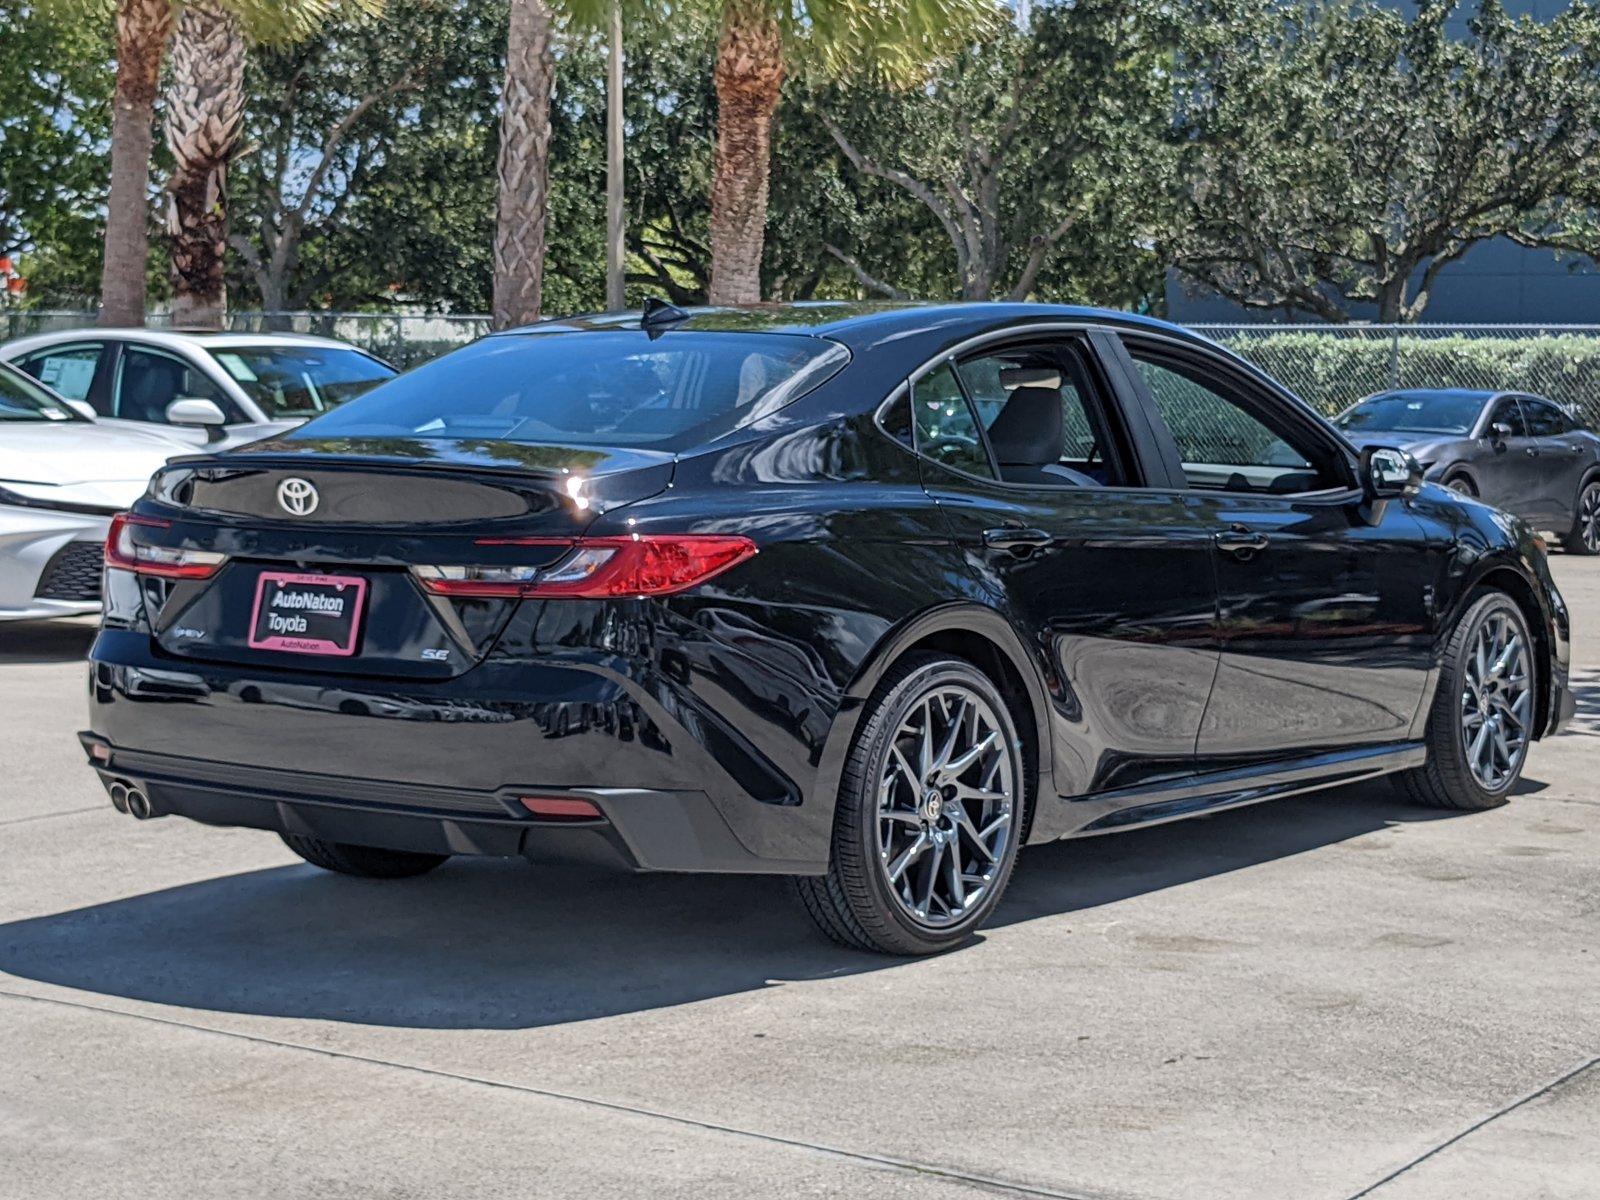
column 946, row 803
column 1589, row 517
column 1496, row 701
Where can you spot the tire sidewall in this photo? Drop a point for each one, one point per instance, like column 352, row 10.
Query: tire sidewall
column 1573, row 543
column 1454, row 680
column 895, row 704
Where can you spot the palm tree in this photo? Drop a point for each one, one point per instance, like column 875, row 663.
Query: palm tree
column 899, row 38
column 143, row 27
column 524, row 165
column 204, row 107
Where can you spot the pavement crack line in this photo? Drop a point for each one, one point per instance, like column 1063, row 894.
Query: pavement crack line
column 988, row 1183
column 1542, row 1090
column 50, row 816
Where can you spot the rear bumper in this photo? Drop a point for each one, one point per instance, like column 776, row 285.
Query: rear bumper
column 640, row 829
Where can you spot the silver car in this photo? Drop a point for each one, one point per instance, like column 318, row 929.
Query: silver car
column 62, row 476
column 204, row 387
column 1521, row 453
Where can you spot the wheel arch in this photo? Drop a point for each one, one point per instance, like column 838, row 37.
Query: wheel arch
column 981, row 636
column 1503, row 576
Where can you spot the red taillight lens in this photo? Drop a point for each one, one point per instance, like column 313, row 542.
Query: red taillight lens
column 599, row 567
column 126, row 554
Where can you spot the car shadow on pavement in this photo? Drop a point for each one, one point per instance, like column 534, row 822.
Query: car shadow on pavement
column 495, row 945
column 46, row 641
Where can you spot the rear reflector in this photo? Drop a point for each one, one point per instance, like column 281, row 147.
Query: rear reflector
column 123, row 552
column 598, row 567
column 561, row 808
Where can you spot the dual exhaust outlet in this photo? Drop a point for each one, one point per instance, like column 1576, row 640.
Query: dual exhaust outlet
column 128, row 797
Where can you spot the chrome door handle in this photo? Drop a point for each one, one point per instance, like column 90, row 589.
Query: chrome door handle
column 1241, row 542
column 1015, row 539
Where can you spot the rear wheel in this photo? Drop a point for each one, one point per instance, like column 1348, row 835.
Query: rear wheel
column 930, row 813
column 1462, row 484
column 1483, row 713
column 1584, row 536
column 368, row 862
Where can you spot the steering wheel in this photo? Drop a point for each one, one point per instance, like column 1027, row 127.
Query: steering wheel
column 949, row 441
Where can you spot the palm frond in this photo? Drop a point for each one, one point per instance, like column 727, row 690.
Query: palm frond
column 900, row 41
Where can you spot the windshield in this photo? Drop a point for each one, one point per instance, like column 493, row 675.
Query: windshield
column 610, row 388
column 1415, row 412
column 301, row 381
column 23, row 400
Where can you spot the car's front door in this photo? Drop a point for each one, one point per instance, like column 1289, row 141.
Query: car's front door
column 147, row 380
column 1325, row 603
column 1508, row 466
column 1111, row 582
column 1564, row 456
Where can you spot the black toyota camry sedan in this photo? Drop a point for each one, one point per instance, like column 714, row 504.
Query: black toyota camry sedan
column 867, row 596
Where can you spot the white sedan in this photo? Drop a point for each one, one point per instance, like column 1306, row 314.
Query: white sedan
column 62, row 476
column 201, row 387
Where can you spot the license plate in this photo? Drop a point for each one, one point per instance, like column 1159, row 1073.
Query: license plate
column 307, row 614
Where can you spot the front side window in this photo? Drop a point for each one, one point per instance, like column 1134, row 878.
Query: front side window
column 669, row 392
column 68, row 371
column 946, row 430
column 1508, row 412
column 1223, row 444
column 300, row 381
column 149, row 380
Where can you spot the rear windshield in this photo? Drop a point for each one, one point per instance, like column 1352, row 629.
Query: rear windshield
column 300, row 381
column 602, row 388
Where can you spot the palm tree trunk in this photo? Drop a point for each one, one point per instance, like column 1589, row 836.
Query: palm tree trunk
column 519, row 239
column 616, row 279
column 749, row 77
column 142, row 30
column 205, row 104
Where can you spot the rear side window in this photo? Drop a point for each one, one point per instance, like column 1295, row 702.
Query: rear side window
column 607, row 388
column 947, row 432
column 1545, row 420
column 68, row 370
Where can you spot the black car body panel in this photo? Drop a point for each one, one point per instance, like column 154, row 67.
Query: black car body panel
column 1153, row 671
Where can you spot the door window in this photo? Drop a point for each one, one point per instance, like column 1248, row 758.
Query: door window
column 1508, row 412
column 946, row 429
column 1037, row 406
column 66, row 370
column 1227, row 442
column 1545, row 420
column 148, row 380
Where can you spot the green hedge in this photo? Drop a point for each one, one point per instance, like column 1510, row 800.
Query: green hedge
column 1334, row 369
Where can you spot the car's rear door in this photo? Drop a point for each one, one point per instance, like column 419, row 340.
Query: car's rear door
column 1325, row 603
column 1111, row 581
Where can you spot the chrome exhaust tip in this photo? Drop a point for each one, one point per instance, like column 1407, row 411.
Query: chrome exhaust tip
column 119, row 796
column 139, row 806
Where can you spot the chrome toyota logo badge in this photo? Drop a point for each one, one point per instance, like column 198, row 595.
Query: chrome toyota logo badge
column 297, row 496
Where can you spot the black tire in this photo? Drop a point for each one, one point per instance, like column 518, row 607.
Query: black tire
column 1447, row 779
column 854, row 903
column 1462, row 484
column 1583, row 537
column 367, row 862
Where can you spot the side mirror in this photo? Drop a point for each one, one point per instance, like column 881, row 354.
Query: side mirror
column 195, row 410
column 1387, row 473
column 1499, row 432
column 83, row 408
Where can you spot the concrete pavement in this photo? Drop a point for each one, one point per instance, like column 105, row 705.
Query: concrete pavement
column 1326, row 997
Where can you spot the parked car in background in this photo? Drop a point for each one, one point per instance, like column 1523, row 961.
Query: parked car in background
column 62, row 477
column 1518, row 452
column 867, row 596
column 216, row 388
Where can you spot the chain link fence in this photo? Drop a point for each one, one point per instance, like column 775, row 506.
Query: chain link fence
column 1331, row 366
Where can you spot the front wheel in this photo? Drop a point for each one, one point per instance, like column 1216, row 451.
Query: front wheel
column 1584, row 536
column 1483, row 713
column 930, row 813
column 366, row 862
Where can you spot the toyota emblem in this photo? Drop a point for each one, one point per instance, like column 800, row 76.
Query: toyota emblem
column 297, row 496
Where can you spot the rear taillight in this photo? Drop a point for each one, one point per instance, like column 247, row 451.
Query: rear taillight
column 598, row 567
column 128, row 555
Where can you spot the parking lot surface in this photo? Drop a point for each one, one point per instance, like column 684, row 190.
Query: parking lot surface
column 1333, row 996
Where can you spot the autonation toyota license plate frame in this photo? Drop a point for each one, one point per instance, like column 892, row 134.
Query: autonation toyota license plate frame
column 307, row 613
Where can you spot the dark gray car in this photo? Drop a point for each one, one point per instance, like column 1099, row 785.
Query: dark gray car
column 1520, row 453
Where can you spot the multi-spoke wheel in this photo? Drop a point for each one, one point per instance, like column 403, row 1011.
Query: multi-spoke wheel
column 929, row 816
column 1584, row 536
column 1483, row 713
